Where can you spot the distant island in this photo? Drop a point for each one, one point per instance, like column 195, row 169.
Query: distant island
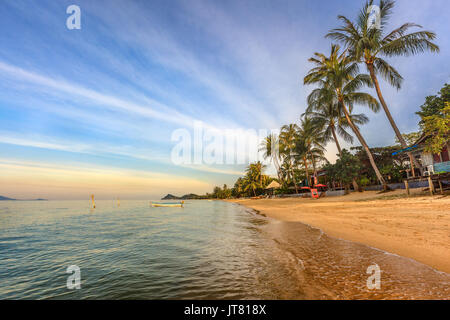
column 2, row 198
column 190, row 196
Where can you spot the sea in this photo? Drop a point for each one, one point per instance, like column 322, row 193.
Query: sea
column 205, row 250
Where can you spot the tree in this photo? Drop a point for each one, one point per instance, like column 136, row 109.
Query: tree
column 288, row 141
column 238, row 188
column 326, row 113
column 226, row 192
column 301, row 155
column 341, row 73
column 434, row 104
column 437, row 126
column 367, row 43
column 312, row 137
column 254, row 179
column 410, row 138
column 347, row 168
column 270, row 149
column 217, row 192
column 392, row 167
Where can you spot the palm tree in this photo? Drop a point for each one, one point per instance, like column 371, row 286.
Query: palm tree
column 254, row 176
column 285, row 170
column 301, row 154
column 342, row 73
column 238, row 186
column 288, row 141
column 313, row 138
column 270, row 149
column 325, row 111
column 251, row 185
column 367, row 43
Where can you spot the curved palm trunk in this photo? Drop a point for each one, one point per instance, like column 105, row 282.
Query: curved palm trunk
column 306, row 170
column 365, row 146
column 293, row 174
column 336, row 140
column 313, row 163
column 314, row 167
column 412, row 159
column 355, row 184
column 277, row 167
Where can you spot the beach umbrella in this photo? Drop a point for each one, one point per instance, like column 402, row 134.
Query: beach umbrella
column 273, row 185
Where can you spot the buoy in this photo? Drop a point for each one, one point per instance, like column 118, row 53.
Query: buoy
column 93, row 202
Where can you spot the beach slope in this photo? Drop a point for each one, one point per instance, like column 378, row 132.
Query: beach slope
column 417, row 227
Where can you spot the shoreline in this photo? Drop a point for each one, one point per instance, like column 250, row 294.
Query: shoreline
column 416, row 227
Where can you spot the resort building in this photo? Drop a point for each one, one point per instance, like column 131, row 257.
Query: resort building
column 430, row 163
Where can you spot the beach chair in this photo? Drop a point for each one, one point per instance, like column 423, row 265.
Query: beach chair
column 314, row 194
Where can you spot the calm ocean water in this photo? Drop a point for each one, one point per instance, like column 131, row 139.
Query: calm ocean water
column 207, row 250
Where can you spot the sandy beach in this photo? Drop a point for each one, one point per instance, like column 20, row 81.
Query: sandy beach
column 417, row 227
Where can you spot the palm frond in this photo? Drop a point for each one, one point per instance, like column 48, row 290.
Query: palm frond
column 388, row 72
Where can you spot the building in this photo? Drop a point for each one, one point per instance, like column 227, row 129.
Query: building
column 430, row 163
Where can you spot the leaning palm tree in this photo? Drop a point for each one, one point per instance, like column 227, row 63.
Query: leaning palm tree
column 254, row 172
column 313, row 138
column 286, row 170
column 367, row 43
column 341, row 72
column 288, row 140
column 301, row 154
column 250, row 185
column 270, row 149
column 325, row 111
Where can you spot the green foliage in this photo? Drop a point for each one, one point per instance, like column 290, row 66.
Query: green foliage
column 410, row 138
column 364, row 181
column 434, row 104
column 345, row 169
column 437, row 126
column 390, row 166
column 392, row 172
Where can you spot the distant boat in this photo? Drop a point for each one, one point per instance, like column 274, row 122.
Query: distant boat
column 167, row 204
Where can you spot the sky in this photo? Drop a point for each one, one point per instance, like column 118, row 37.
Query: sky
column 94, row 110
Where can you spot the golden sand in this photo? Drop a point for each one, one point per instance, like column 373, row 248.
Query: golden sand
column 417, row 227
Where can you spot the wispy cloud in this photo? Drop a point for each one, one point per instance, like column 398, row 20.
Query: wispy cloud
column 136, row 71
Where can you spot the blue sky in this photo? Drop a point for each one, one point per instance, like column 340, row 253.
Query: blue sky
column 92, row 110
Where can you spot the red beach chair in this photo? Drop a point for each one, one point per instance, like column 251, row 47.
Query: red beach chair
column 314, row 194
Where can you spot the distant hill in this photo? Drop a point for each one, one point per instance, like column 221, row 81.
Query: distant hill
column 190, row 196
column 5, row 198
column 170, row 197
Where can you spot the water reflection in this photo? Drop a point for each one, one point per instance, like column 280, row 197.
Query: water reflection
column 206, row 250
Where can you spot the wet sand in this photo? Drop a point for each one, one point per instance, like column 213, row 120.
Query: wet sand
column 417, row 227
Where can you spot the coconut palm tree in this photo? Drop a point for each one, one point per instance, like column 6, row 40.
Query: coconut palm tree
column 313, row 138
column 325, row 111
column 251, row 185
column 254, row 173
column 288, row 141
column 367, row 43
column 270, row 149
column 301, row 154
column 342, row 73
